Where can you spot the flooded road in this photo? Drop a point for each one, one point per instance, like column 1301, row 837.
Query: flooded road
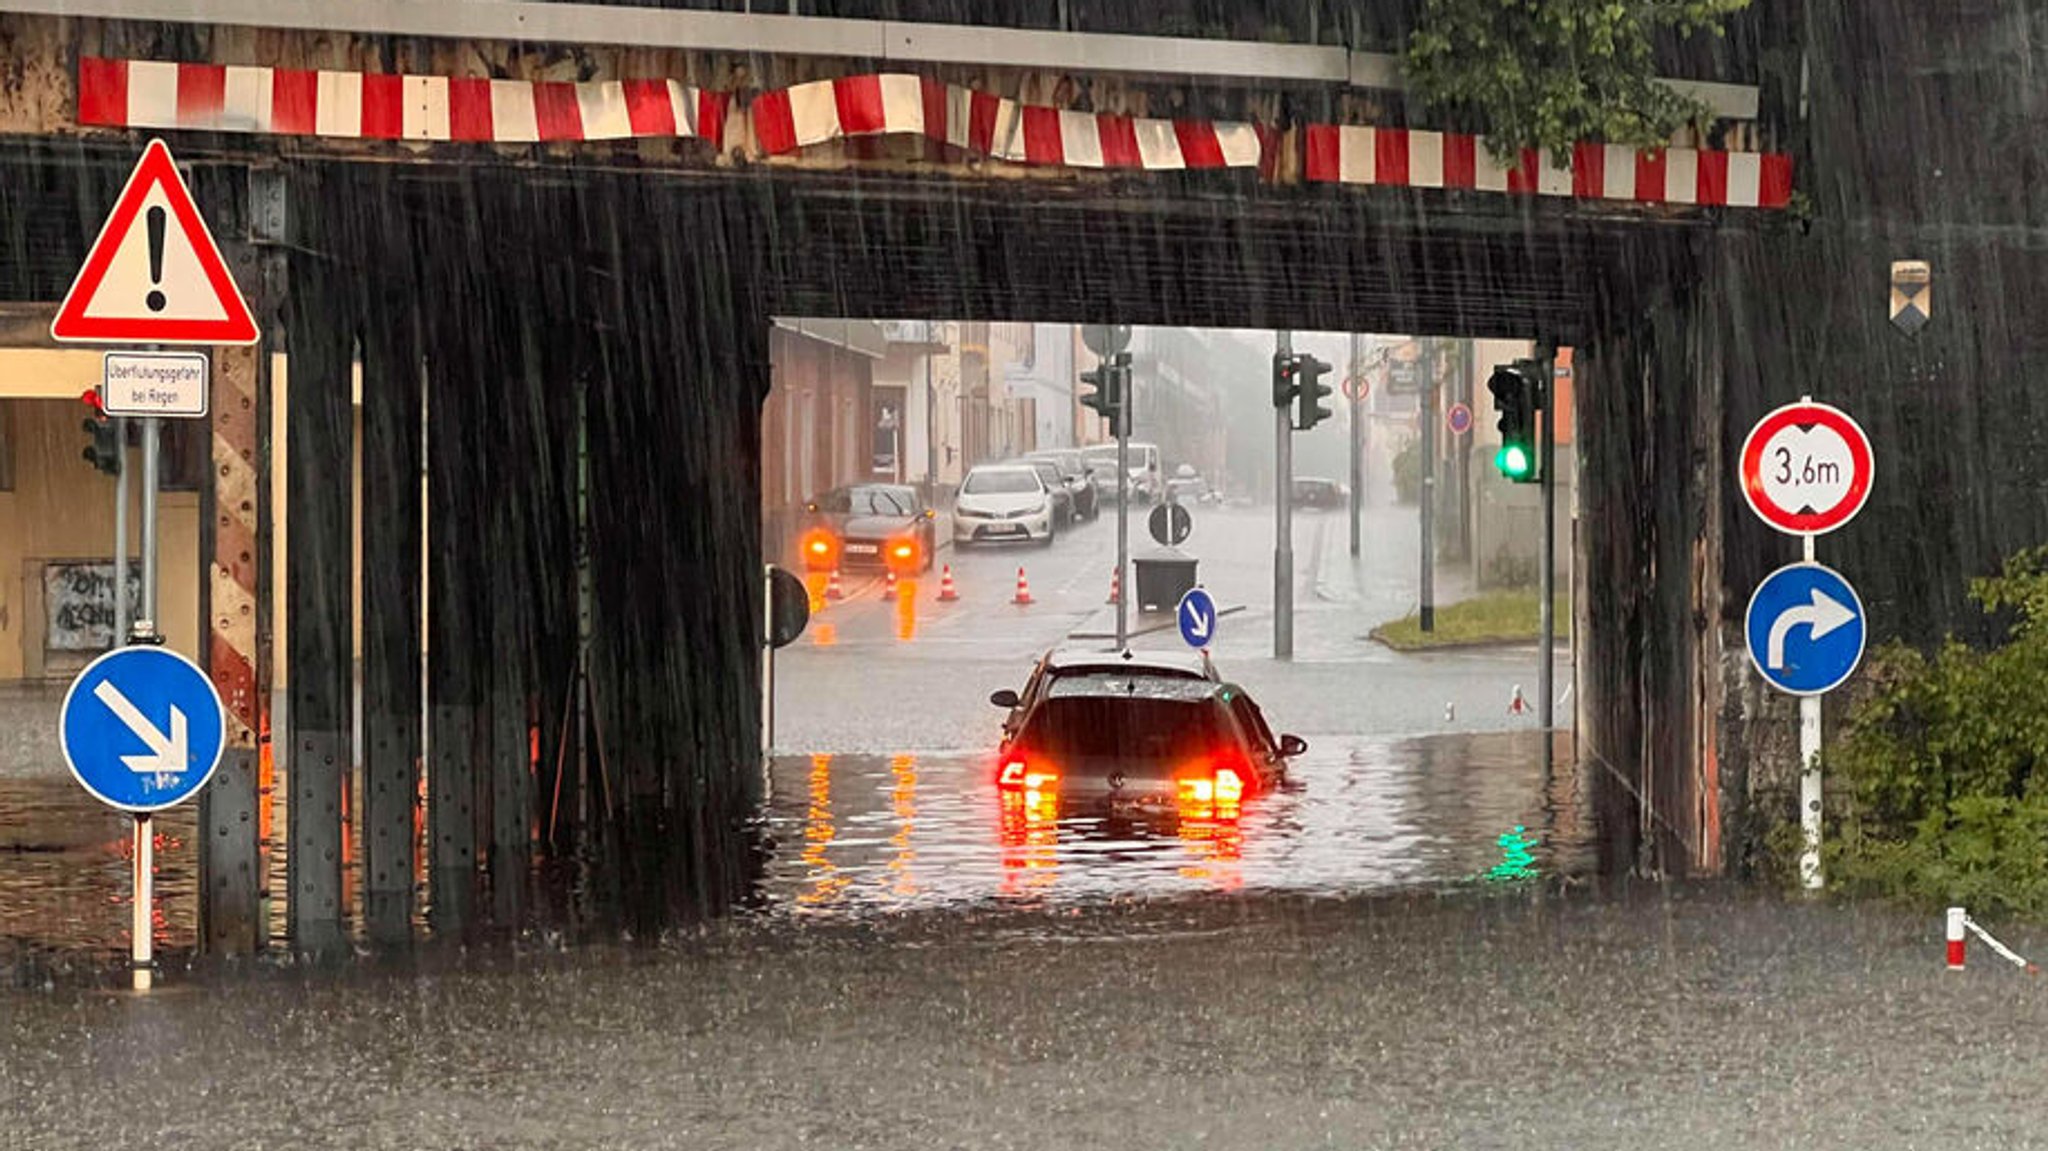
column 856, row 834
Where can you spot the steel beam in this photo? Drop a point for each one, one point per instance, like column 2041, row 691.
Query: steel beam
column 391, row 620
column 319, row 436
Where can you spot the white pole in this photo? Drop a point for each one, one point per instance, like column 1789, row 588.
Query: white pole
column 1809, row 780
column 139, row 927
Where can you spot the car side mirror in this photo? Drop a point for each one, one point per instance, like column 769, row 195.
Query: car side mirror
column 1004, row 698
column 1291, row 746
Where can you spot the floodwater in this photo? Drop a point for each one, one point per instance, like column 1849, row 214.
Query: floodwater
column 857, row 834
column 860, row 835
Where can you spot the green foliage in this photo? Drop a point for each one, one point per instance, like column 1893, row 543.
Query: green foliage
column 1550, row 73
column 1936, row 796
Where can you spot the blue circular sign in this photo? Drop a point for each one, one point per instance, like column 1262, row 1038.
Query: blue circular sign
column 142, row 728
column 1805, row 629
column 1196, row 614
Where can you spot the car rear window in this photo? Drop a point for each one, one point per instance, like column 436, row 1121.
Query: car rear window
column 1101, row 731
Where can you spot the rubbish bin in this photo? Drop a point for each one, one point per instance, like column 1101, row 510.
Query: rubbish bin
column 1163, row 576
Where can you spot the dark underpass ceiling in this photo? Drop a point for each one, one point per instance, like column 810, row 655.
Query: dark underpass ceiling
column 1201, row 249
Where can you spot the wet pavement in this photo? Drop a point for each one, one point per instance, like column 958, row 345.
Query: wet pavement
column 1516, row 1018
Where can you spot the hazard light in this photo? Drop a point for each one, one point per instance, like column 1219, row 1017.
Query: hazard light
column 903, row 556
column 820, row 549
column 1207, row 782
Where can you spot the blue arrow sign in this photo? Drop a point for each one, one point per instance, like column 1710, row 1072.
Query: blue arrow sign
column 142, row 728
column 1197, row 616
column 1805, row 629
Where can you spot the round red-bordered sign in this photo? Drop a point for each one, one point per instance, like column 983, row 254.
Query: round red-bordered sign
column 1806, row 468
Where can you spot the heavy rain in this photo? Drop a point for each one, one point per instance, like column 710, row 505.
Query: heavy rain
column 1042, row 573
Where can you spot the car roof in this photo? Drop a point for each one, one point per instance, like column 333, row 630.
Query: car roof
column 1012, row 466
column 1175, row 664
column 1126, row 686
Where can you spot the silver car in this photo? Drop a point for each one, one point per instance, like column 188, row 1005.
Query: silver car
column 1003, row 502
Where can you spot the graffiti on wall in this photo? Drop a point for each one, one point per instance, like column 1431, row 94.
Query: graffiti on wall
column 79, row 601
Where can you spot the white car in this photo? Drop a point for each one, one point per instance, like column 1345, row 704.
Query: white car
column 1002, row 502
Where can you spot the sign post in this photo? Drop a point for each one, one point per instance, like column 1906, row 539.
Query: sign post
column 142, row 729
column 1806, row 470
column 153, row 276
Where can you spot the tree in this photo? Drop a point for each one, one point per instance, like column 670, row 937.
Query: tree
column 1550, row 73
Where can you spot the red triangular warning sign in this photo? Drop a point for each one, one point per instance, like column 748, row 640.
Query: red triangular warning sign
column 155, row 275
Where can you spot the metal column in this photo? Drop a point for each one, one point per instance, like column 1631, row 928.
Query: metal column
column 1283, row 517
column 455, row 660
column 319, row 434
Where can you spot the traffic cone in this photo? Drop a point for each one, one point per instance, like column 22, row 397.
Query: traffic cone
column 832, row 588
column 1023, row 589
column 947, row 593
column 889, row 589
column 1116, row 585
column 1516, row 704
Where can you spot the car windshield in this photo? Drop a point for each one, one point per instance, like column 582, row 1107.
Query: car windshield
column 1079, row 730
column 880, row 501
column 1000, row 482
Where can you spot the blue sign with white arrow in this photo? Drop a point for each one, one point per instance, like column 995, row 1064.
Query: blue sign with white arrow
column 1805, row 629
column 142, row 728
column 1197, row 616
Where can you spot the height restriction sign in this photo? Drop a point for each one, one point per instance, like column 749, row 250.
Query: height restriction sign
column 1806, row 468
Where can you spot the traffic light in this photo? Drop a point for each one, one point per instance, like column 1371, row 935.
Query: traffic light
column 1517, row 394
column 102, row 448
column 1309, row 391
column 1111, row 380
column 1284, row 388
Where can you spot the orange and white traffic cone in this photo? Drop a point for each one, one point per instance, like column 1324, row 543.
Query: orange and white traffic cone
column 947, row 592
column 832, row 588
column 1116, row 585
column 889, row 589
column 1023, row 589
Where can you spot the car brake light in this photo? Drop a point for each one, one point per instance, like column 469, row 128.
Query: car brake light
column 1017, row 775
column 1229, row 786
column 1208, row 782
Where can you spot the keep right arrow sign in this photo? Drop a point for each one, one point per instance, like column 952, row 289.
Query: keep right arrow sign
column 1805, row 628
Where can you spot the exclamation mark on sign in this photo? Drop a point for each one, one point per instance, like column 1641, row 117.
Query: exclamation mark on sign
column 155, row 299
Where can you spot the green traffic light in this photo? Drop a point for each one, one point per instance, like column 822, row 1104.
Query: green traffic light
column 1512, row 461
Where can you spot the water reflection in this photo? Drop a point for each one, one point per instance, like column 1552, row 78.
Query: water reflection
column 1355, row 815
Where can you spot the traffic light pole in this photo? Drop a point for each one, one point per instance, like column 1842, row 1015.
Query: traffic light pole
column 1123, row 508
column 1353, row 375
column 1283, row 518
column 1427, row 428
column 1546, row 358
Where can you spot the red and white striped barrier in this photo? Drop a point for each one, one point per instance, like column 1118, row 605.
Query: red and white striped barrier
column 1960, row 925
column 384, row 106
column 147, row 94
column 787, row 119
column 1410, row 158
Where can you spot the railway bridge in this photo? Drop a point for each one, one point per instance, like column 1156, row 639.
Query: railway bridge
column 544, row 244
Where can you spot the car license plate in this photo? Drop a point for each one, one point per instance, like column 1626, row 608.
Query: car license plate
column 861, row 549
column 1006, row 530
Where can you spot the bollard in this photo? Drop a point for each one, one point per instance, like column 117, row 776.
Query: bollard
column 1957, row 931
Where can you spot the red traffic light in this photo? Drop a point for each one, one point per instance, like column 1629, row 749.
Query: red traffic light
column 91, row 399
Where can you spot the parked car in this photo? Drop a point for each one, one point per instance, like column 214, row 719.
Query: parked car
column 1080, row 483
column 1146, row 483
column 1003, row 502
column 1055, row 484
column 1320, row 494
column 870, row 525
column 1186, row 487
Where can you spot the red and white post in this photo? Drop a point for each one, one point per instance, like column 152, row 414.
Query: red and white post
column 1958, row 930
